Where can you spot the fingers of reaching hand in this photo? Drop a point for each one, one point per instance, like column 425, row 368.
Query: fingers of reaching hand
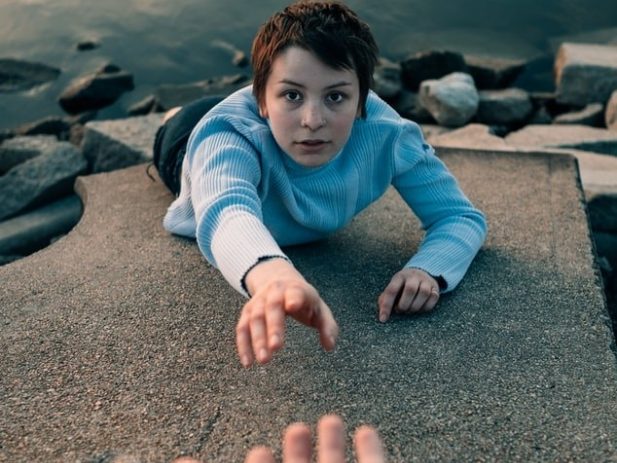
column 368, row 446
column 387, row 299
column 243, row 338
column 330, row 440
column 260, row 455
column 297, row 444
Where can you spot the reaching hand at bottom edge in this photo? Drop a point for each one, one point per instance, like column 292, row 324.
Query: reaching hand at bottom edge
column 297, row 446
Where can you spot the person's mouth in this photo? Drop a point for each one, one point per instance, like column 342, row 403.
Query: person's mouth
column 311, row 144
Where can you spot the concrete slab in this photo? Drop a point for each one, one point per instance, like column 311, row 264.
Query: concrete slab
column 119, row 337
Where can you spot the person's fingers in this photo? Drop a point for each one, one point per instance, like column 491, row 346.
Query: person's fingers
column 243, row 339
column 408, row 295
column 257, row 325
column 297, row 444
column 387, row 299
column 275, row 319
column 185, row 460
column 260, row 455
column 369, row 448
column 432, row 300
column 422, row 294
column 331, row 440
column 327, row 326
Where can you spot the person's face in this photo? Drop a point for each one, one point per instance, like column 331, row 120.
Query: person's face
column 311, row 106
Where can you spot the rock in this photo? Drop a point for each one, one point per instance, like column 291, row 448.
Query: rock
column 452, row 100
column 602, row 210
column 97, row 90
column 407, row 104
column 51, row 125
column 115, row 144
column 430, row 65
column 6, row 134
column 8, row 259
column 537, row 75
column 540, row 117
column 17, row 75
column 509, row 107
column 239, row 58
column 87, row 45
column 170, row 96
column 34, row 230
column 592, row 115
column 40, row 180
column 477, row 136
column 145, row 106
column 585, row 73
column 431, row 131
column 610, row 116
column 19, row 149
column 492, row 73
column 579, row 137
column 387, row 79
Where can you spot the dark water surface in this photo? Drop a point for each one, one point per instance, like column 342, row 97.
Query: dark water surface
column 163, row 41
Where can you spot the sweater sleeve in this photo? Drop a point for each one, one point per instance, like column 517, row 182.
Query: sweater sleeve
column 225, row 172
column 455, row 229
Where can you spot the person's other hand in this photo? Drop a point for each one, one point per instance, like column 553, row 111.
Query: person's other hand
column 297, row 446
column 278, row 291
column 410, row 290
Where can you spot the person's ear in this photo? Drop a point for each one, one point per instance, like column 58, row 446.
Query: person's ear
column 263, row 111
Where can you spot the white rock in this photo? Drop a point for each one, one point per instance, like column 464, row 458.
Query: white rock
column 610, row 116
column 452, row 100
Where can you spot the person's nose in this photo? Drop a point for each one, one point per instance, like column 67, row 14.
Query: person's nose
column 313, row 116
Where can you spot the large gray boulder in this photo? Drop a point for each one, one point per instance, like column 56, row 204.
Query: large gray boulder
column 115, row 144
column 508, row 107
column 18, row 75
column 97, row 90
column 40, row 180
column 585, row 73
column 610, row 115
column 16, row 150
column 452, row 100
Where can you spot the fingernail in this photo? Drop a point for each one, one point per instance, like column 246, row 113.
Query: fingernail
column 263, row 355
column 382, row 318
column 245, row 361
column 275, row 340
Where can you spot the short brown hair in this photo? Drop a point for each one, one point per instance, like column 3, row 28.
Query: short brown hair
column 330, row 30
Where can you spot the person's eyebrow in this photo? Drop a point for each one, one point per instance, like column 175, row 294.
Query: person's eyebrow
column 342, row 83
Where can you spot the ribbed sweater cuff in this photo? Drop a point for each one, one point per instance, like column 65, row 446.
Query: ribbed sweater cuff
column 240, row 241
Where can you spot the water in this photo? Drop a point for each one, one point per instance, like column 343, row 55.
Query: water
column 161, row 42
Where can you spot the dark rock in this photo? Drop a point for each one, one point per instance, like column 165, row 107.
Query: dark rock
column 6, row 134
column 51, row 125
column 40, row 180
column 537, row 75
column 170, row 96
column 146, row 106
column 87, row 45
column 591, row 115
column 8, row 259
column 387, row 79
column 430, row 65
column 504, row 107
column 492, row 73
column 602, row 210
column 540, row 117
column 82, row 118
column 239, row 58
column 17, row 75
column 34, row 230
column 19, row 149
column 95, row 91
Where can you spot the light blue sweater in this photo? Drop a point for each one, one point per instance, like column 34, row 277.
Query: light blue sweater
column 242, row 197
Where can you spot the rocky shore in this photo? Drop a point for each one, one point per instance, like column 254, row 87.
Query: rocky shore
column 460, row 100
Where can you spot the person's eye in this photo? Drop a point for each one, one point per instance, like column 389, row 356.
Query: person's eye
column 336, row 97
column 292, row 95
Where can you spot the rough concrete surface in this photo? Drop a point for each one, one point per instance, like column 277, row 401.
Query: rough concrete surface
column 120, row 338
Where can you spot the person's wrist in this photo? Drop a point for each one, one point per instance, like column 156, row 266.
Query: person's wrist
column 265, row 270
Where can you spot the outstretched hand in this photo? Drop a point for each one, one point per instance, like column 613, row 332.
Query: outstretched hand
column 410, row 290
column 279, row 291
